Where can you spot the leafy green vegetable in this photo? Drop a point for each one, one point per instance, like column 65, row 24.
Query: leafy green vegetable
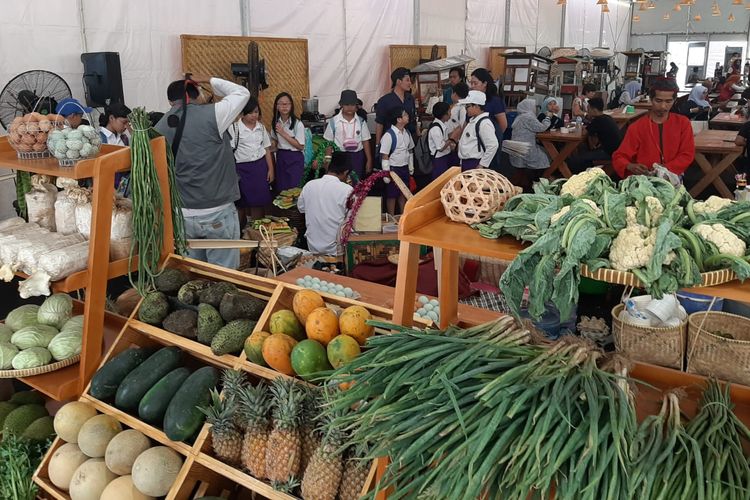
column 19, row 458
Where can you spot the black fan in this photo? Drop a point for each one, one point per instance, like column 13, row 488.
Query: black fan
column 35, row 90
column 253, row 73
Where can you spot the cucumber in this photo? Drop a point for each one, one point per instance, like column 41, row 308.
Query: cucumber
column 183, row 418
column 107, row 379
column 154, row 404
column 139, row 381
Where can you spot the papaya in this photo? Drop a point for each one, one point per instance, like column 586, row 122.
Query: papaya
column 322, row 325
column 304, row 302
column 285, row 321
column 277, row 352
column 309, row 357
column 254, row 347
column 341, row 350
column 353, row 322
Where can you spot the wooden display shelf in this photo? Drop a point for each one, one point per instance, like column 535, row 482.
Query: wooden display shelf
column 84, row 169
column 196, row 481
column 79, row 280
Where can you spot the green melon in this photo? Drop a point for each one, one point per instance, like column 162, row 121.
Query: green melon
column 309, row 357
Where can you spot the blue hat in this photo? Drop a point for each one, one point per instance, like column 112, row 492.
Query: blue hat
column 70, row 106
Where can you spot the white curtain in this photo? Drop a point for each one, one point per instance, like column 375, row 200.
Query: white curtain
column 485, row 21
column 535, row 24
column 582, row 24
column 443, row 22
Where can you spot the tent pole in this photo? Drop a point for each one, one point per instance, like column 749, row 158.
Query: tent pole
column 245, row 17
column 416, row 19
column 346, row 45
column 82, row 22
column 506, row 34
column 562, row 25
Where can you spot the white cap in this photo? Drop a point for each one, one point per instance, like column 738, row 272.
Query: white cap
column 474, row 97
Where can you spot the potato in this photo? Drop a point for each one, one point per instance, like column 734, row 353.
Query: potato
column 70, row 418
column 96, row 434
column 90, row 479
column 63, row 464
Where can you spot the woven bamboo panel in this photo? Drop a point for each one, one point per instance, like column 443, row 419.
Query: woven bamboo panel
column 287, row 68
column 408, row 56
column 711, row 278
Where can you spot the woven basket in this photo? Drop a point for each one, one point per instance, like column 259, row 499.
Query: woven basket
column 296, row 219
column 30, row 372
column 658, row 346
column 264, row 253
column 711, row 278
column 476, row 195
column 713, row 355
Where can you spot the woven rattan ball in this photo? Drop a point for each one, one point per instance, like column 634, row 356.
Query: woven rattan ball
column 474, row 196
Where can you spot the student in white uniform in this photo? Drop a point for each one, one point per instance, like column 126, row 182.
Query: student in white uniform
column 288, row 135
column 324, row 203
column 252, row 153
column 458, row 119
column 351, row 134
column 396, row 148
column 440, row 144
column 478, row 142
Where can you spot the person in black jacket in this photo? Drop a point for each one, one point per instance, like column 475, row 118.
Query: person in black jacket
column 604, row 137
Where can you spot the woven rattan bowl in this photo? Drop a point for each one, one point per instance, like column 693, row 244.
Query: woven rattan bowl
column 474, row 196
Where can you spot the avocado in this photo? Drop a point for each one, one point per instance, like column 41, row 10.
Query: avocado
column 171, row 280
column 231, row 338
column 27, row 398
column 188, row 293
column 154, row 308
column 5, row 408
column 209, row 323
column 215, row 292
column 240, row 306
column 40, row 429
column 183, row 322
column 22, row 417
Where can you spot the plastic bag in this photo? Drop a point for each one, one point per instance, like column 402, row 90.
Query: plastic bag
column 122, row 219
column 20, row 230
column 28, row 256
column 11, row 222
column 65, row 214
column 82, row 199
column 40, row 202
column 9, row 251
column 119, row 249
column 52, row 266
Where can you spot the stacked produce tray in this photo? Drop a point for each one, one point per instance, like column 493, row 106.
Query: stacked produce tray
column 202, row 473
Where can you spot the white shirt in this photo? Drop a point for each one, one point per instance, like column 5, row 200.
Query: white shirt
column 458, row 117
column 437, row 138
column 323, row 201
column 404, row 145
column 112, row 138
column 468, row 147
column 298, row 133
column 249, row 144
column 355, row 129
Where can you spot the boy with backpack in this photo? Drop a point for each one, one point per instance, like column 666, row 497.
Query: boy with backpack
column 478, row 143
column 396, row 147
column 434, row 147
column 351, row 135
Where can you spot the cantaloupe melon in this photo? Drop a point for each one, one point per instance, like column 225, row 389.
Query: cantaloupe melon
column 63, row 464
column 123, row 488
column 90, row 479
column 96, row 434
column 155, row 470
column 70, row 418
column 123, row 449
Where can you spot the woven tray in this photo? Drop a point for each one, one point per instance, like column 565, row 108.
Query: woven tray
column 711, row 278
column 30, row 372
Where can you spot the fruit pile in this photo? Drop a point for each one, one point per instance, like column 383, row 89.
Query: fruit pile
column 217, row 314
column 101, row 460
column 326, row 287
column 276, row 433
column 158, row 388
column 24, row 415
column 311, row 338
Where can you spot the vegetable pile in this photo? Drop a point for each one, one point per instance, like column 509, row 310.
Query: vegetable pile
column 101, row 460
column 644, row 226
column 34, row 336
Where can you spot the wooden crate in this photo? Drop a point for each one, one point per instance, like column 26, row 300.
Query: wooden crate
column 408, row 56
column 199, row 481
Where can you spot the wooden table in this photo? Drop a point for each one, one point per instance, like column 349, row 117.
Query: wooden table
column 383, row 296
column 715, row 151
column 624, row 119
column 569, row 141
column 642, row 105
column 727, row 121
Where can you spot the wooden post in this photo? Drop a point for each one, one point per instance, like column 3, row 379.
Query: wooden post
column 406, row 284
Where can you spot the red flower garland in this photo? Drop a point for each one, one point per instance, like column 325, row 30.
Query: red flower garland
column 356, row 198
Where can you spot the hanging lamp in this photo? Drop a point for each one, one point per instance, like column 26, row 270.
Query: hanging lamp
column 636, row 18
column 601, row 2
column 677, row 7
column 651, row 5
column 730, row 18
column 736, row 2
column 697, row 18
column 605, row 8
column 666, row 16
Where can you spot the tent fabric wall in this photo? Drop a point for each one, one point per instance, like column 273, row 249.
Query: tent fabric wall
column 652, row 21
column 485, row 21
column 531, row 30
column 443, row 22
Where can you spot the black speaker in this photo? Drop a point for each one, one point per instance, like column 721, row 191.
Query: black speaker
column 102, row 79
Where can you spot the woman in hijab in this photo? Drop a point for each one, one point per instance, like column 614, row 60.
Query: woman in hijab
column 630, row 92
column 697, row 106
column 551, row 110
column 525, row 127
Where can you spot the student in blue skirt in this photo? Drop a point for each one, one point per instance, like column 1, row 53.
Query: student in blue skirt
column 288, row 136
column 351, row 134
column 437, row 138
column 251, row 145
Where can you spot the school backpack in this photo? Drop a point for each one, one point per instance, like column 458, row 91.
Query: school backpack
column 422, row 156
column 480, row 143
column 392, row 148
column 614, row 102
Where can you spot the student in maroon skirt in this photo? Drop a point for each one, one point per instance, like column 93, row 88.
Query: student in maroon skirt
column 288, row 135
column 396, row 147
column 351, row 134
column 478, row 143
column 437, row 138
column 252, row 153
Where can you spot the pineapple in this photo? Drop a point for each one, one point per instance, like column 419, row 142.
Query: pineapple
column 310, row 435
column 227, row 440
column 284, row 444
column 233, row 381
column 255, row 405
column 323, row 474
column 354, row 476
column 287, row 487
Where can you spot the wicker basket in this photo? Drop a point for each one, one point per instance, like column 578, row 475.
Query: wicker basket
column 710, row 278
column 658, row 346
column 296, row 219
column 30, row 372
column 264, row 253
column 713, row 355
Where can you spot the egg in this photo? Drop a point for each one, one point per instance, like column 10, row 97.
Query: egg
column 300, row 282
column 348, row 292
column 428, row 307
column 340, row 293
column 39, row 147
column 423, row 299
column 339, row 287
column 432, row 315
column 434, row 302
column 72, row 154
column 421, row 311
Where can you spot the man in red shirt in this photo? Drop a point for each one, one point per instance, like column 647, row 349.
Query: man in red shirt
column 661, row 137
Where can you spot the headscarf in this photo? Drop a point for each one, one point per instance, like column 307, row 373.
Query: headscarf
column 527, row 106
column 632, row 88
column 696, row 95
column 548, row 100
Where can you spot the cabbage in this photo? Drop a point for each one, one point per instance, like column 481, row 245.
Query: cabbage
column 22, row 316
column 33, row 336
column 31, row 358
column 7, row 353
column 65, row 345
column 5, row 333
column 74, row 324
column 56, row 310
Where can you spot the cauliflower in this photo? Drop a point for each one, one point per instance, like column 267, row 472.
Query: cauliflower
column 578, row 183
column 631, row 216
column 711, row 206
column 725, row 240
column 564, row 210
column 654, row 212
column 632, row 248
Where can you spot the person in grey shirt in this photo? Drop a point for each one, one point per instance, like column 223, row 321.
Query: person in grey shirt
column 204, row 162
